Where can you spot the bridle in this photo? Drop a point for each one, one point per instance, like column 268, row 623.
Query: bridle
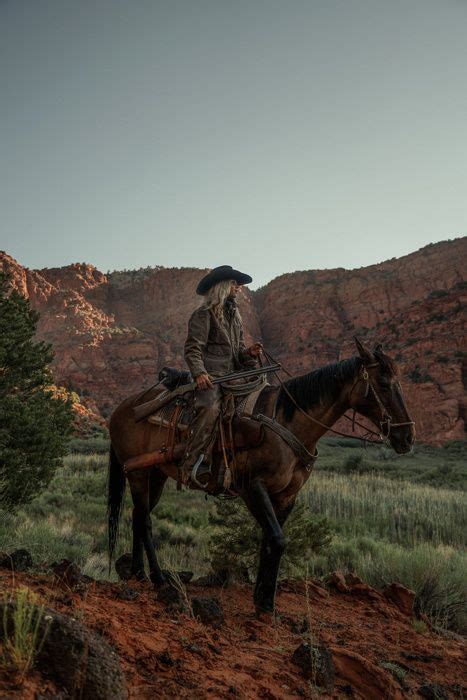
column 386, row 418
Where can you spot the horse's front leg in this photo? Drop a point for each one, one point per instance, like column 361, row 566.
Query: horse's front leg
column 260, row 505
column 146, row 490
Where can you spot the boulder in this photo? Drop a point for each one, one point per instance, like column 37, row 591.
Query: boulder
column 173, row 598
column 123, row 567
column 337, row 581
column 403, row 598
column 125, row 592
column 184, row 576
column 366, row 678
column 18, row 560
column 315, row 662
column 208, row 611
column 76, row 659
column 352, row 579
column 69, row 574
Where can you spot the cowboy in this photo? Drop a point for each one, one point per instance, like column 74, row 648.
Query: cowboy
column 214, row 347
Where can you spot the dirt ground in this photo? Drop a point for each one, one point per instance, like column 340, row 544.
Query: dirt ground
column 376, row 649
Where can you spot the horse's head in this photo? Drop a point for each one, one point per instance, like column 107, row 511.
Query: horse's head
column 378, row 396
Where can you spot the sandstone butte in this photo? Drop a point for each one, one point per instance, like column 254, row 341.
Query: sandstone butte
column 112, row 332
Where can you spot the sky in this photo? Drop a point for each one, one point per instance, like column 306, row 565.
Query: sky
column 271, row 135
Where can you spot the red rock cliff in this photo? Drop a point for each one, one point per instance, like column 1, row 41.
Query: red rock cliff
column 112, row 332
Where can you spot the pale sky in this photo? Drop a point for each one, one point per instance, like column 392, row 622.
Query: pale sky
column 271, row 135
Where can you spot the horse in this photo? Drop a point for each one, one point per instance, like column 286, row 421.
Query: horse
column 270, row 475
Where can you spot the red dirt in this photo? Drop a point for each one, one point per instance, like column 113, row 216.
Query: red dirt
column 168, row 655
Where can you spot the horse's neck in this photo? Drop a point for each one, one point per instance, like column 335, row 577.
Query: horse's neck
column 311, row 427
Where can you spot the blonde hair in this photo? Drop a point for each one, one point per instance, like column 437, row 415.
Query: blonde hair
column 216, row 296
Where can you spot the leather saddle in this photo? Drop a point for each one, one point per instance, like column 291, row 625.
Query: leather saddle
column 238, row 431
column 176, row 415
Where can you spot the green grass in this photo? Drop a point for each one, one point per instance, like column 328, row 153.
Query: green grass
column 395, row 511
column 394, row 519
column 69, row 521
column 445, row 467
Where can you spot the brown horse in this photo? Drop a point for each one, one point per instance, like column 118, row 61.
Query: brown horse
column 267, row 477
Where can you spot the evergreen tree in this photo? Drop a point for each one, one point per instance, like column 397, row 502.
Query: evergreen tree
column 34, row 424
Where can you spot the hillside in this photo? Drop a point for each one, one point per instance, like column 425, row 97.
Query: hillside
column 378, row 649
column 112, row 332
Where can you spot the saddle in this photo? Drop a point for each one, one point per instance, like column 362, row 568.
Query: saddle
column 241, row 426
column 234, row 433
column 176, row 416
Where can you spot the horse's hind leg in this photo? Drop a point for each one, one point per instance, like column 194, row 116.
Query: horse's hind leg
column 146, row 490
column 137, row 560
column 157, row 481
column 259, row 504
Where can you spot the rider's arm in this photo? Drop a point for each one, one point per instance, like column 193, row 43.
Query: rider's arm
column 198, row 332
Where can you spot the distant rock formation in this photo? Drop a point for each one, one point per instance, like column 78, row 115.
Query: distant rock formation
column 111, row 333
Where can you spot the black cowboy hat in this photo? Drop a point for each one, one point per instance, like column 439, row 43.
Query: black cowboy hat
column 219, row 274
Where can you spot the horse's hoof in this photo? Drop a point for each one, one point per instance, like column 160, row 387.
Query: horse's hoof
column 266, row 616
column 140, row 576
column 157, row 580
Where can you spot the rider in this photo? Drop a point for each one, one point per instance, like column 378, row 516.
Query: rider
column 214, row 347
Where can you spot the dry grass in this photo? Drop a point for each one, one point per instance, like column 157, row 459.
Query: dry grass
column 21, row 630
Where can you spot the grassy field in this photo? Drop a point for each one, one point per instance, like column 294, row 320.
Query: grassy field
column 394, row 519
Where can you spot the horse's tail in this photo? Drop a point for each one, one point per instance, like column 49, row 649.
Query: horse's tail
column 115, row 491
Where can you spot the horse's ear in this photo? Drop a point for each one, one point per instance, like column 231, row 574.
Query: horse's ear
column 364, row 353
column 378, row 350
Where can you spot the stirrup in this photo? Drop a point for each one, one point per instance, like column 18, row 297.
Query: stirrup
column 194, row 471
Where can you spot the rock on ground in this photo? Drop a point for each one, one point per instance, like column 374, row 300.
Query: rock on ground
column 19, row 560
column 75, row 658
column 208, row 610
column 316, row 664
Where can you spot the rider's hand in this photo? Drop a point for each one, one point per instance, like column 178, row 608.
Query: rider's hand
column 255, row 350
column 203, row 381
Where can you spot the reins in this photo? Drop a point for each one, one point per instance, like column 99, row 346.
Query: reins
column 386, row 418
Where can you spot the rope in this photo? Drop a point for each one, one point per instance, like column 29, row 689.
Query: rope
column 245, row 388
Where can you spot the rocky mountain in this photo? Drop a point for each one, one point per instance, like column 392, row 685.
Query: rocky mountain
column 111, row 333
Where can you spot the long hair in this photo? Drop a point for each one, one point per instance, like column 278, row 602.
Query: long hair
column 215, row 298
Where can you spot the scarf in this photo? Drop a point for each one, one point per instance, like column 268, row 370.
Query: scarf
column 230, row 307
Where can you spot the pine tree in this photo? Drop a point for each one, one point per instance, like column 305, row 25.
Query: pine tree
column 34, row 424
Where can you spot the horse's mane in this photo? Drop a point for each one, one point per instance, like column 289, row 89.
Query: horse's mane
column 318, row 386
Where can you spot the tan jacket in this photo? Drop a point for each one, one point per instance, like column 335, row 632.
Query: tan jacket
column 213, row 348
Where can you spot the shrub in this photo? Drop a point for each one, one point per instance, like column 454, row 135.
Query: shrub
column 417, row 377
column 438, row 293
column 444, row 359
column 236, row 540
column 395, row 670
